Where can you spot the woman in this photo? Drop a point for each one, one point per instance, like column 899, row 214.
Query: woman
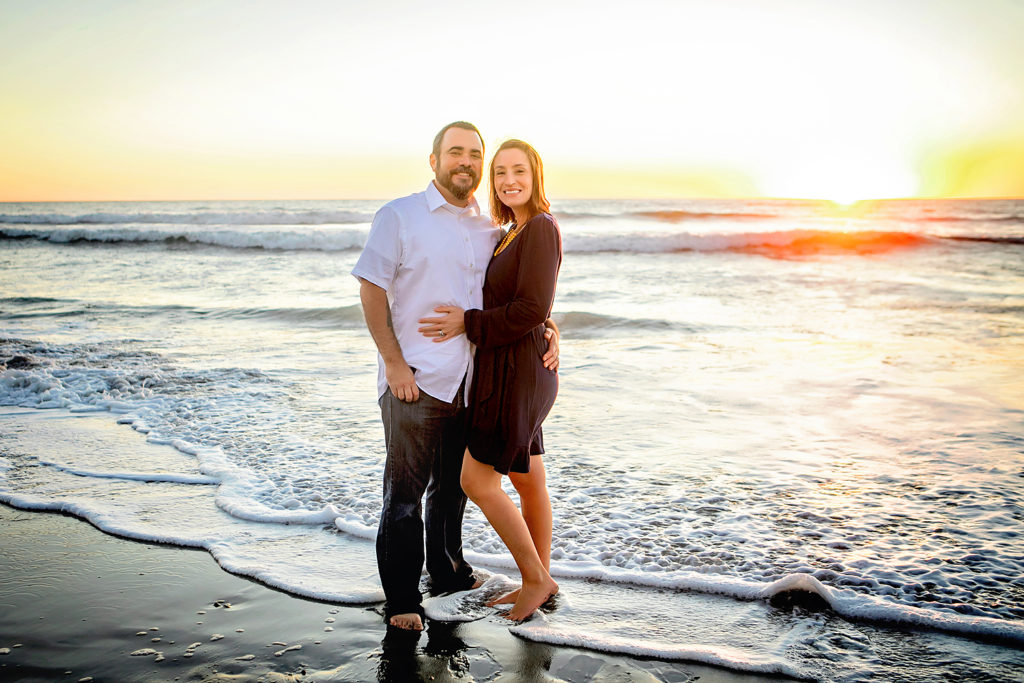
column 512, row 391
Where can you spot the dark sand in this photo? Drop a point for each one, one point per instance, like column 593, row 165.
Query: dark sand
column 76, row 603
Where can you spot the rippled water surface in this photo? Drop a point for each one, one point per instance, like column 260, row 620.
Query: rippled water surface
column 749, row 391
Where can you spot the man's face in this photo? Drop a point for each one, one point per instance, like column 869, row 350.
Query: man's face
column 459, row 167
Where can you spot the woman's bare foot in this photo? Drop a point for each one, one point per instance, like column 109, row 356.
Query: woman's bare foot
column 506, row 599
column 409, row 621
column 531, row 596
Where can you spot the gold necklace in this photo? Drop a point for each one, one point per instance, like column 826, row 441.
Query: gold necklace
column 507, row 239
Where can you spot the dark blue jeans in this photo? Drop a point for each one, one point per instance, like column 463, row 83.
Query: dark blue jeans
column 425, row 442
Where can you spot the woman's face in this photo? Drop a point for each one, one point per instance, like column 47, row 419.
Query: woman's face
column 513, row 178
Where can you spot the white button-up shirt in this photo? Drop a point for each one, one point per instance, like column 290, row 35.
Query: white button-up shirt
column 425, row 252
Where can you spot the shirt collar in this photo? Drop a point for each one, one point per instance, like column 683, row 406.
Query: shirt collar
column 435, row 200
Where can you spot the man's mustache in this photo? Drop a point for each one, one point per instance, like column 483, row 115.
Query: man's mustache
column 464, row 169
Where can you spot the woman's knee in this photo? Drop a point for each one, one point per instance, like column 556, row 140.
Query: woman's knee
column 470, row 486
column 476, row 481
column 532, row 483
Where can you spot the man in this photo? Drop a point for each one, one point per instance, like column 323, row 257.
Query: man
column 425, row 250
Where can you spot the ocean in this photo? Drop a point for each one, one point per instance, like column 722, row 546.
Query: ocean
column 789, row 436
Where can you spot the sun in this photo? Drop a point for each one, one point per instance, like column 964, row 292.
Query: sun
column 845, row 201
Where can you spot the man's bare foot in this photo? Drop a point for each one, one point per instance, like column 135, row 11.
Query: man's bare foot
column 506, row 599
column 531, row 596
column 409, row 621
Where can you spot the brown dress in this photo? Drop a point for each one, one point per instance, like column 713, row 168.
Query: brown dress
column 512, row 391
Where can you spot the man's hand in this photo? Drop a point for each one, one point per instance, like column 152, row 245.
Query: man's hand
column 402, row 382
column 550, row 357
column 378, row 321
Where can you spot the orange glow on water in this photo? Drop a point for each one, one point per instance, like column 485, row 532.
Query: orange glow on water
column 826, row 243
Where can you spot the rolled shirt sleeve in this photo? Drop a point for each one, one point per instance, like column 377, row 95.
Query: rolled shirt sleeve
column 382, row 254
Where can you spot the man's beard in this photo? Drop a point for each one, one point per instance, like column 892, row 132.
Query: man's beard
column 460, row 192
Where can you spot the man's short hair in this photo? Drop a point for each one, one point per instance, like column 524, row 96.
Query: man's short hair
column 465, row 125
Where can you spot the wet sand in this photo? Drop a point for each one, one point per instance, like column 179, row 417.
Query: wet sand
column 78, row 604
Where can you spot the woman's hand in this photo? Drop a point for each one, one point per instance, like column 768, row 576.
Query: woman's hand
column 450, row 324
column 550, row 357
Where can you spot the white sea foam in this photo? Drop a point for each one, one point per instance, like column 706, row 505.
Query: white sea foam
column 354, row 526
column 169, row 477
column 469, row 605
column 239, row 491
column 242, row 493
column 723, row 656
column 878, row 609
column 239, row 496
column 279, row 554
column 262, row 552
column 848, row 603
column 661, row 625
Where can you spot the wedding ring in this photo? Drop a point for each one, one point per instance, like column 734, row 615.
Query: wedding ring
column 441, row 333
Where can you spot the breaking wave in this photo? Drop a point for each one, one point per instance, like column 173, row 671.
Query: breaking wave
column 778, row 243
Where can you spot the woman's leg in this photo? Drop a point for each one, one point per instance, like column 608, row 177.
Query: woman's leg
column 536, row 508
column 483, row 486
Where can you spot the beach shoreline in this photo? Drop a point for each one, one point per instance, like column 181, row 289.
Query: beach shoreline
column 83, row 604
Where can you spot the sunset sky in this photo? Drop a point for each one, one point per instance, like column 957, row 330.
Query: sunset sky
column 341, row 98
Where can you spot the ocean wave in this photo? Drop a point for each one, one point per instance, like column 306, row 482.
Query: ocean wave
column 796, row 589
column 596, row 623
column 342, row 239
column 970, row 217
column 342, row 317
column 166, row 477
column 279, row 216
column 589, row 616
column 780, row 243
column 346, row 212
column 674, row 215
column 992, row 239
column 678, row 215
column 331, row 316
column 583, row 324
column 580, row 324
column 28, row 300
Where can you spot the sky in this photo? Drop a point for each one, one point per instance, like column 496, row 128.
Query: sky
column 334, row 99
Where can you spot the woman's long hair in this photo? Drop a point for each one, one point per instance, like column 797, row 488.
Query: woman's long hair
column 538, row 202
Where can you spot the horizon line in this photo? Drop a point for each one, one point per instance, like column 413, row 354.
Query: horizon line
column 566, row 198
